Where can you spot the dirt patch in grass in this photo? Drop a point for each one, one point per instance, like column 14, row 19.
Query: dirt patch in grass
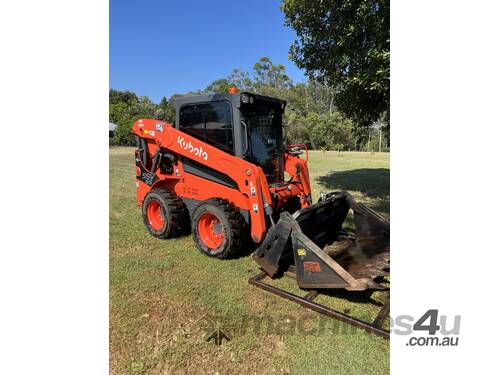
column 170, row 338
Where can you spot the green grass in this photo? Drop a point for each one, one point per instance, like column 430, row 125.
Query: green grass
column 166, row 297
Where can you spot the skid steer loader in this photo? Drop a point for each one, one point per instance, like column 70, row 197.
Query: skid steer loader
column 223, row 172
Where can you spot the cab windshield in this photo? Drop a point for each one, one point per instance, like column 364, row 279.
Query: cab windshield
column 264, row 138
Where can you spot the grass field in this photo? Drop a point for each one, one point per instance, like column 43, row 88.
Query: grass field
column 166, row 298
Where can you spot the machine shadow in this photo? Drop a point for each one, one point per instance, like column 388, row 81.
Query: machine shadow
column 363, row 297
column 372, row 182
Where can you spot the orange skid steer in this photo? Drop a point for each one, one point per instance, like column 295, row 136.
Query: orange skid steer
column 223, row 172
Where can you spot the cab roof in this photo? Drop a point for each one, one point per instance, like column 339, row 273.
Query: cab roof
column 235, row 99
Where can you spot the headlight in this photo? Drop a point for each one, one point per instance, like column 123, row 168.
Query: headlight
column 244, row 98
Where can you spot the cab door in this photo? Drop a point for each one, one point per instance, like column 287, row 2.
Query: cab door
column 210, row 122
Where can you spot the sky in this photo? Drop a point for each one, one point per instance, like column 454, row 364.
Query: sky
column 161, row 47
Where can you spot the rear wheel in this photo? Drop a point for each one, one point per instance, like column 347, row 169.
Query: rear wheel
column 163, row 213
column 218, row 228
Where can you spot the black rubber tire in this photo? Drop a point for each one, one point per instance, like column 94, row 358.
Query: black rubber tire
column 233, row 227
column 173, row 211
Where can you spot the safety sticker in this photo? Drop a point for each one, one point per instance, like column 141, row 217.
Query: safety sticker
column 312, row 267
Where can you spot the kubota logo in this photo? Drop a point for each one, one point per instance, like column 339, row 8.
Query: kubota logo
column 198, row 151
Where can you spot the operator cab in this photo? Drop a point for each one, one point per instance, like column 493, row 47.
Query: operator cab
column 244, row 124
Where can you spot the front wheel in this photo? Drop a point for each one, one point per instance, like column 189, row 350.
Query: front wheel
column 218, row 228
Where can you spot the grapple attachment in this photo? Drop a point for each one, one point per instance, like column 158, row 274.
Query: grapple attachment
column 313, row 244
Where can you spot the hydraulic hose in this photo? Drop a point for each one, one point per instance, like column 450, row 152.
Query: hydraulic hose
column 143, row 152
column 156, row 160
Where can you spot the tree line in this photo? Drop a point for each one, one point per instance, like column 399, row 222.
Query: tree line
column 311, row 115
column 343, row 46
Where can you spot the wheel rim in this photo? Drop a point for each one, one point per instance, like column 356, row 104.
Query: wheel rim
column 210, row 230
column 155, row 216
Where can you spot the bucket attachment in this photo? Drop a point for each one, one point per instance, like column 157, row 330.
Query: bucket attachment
column 325, row 255
column 312, row 247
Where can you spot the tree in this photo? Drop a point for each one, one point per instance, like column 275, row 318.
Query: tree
column 237, row 78
column 330, row 131
column 345, row 43
column 125, row 107
column 241, row 80
column 123, row 133
column 295, row 128
column 268, row 74
column 219, row 86
column 126, row 97
column 117, row 111
column 165, row 110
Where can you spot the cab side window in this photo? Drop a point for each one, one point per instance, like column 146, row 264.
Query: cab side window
column 209, row 122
